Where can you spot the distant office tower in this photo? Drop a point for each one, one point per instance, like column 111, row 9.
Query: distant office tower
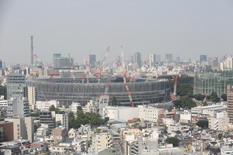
column 203, row 58
column 138, row 59
column 229, row 63
column 152, row 60
column 31, row 50
column 169, row 57
column 92, row 60
column 56, row 55
column 178, row 59
column 63, row 62
column 214, row 64
column 230, row 103
column 130, row 59
column 16, row 84
column 158, row 58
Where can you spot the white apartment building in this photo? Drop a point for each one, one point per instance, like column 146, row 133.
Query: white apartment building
column 100, row 142
column 229, row 64
column 44, row 105
column 3, row 103
column 168, row 121
column 19, row 108
column 152, row 60
column 62, row 116
column 220, row 122
column 208, row 110
column 148, row 113
column 74, row 107
column 186, row 117
column 121, row 113
column 23, row 128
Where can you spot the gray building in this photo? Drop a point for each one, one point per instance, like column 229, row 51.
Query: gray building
column 56, row 55
column 63, row 62
column 92, row 60
column 16, row 84
column 169, row 57
column 158, row 58
column 203, row 58
column 138, row 59
column 130, row 59
column 152, row 60
column 47, row 118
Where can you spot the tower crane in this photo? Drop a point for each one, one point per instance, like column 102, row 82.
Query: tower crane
column 71, row 65
column 51, row 74
column 123, row 72
column 106, row 88
column 202, row 105
column 175, row 84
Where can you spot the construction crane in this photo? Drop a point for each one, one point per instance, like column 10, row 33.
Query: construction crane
column 202, row 105
column 175, row 83
column 71, row 65
column 123, row 72
column 132, row 77
column 51, row 74
column 101, row 67
column 106, row 89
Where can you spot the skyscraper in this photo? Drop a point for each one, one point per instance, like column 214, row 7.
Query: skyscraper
column 203, row 58
column 169, row 57
column 158, row 58
column 230, row 103
column 152, row 60
column 130, row 59
column 55, row 55
column 178, row 59
column 92, row 60
column 137, row 59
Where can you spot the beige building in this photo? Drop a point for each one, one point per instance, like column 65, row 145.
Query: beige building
column 23, row 128
column 32, row 97
column 100, row 142
column 230, row 103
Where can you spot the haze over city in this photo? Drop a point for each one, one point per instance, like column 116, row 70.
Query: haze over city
column 183, row 28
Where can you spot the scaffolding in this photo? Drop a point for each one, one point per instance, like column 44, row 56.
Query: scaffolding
column 146, row 92
column 212, row 82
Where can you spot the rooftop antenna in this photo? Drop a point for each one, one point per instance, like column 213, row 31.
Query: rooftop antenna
column 31, row 50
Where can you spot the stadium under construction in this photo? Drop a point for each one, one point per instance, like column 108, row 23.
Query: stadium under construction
column 66, row 91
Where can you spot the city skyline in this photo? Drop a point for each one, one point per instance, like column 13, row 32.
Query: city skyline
column 187, row 29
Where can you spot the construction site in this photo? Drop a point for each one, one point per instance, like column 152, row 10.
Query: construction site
column 205, row 83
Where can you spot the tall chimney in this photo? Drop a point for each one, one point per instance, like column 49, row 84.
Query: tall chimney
column 31, row 50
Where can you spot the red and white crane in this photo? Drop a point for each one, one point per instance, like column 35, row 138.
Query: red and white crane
column 71, row 65
column 175, row 84
column 51, row 74
column 123, row 72
column 101, row 67
column 106, row 88
column 202, row 105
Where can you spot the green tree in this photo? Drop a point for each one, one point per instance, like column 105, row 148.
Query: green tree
column 220, row 136
column 114, row 101
column 184, row 102
column 205, row 104
column 173, row 140
column 79, row 108
column 224, row 97
column 199, row 96
column 36, row 114
column 203, row 124
column 185, row 89
column 52, row 108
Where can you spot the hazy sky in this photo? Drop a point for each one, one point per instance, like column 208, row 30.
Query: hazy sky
column 183, row 28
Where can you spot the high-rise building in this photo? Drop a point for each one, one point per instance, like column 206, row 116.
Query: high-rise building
column 138, row 59
column 56, row 55
column 92, row 60
column 169, row 57
column 63, row 62
column 203, row 58
column 6, row 131
column 230, row 103
column 46, row 117
column 130, row 59
column 16, row 84
column 62, row 117
column 31, row 94
column 178, row 59
column 0, row 64
column 152, row 60
column 158, row 58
